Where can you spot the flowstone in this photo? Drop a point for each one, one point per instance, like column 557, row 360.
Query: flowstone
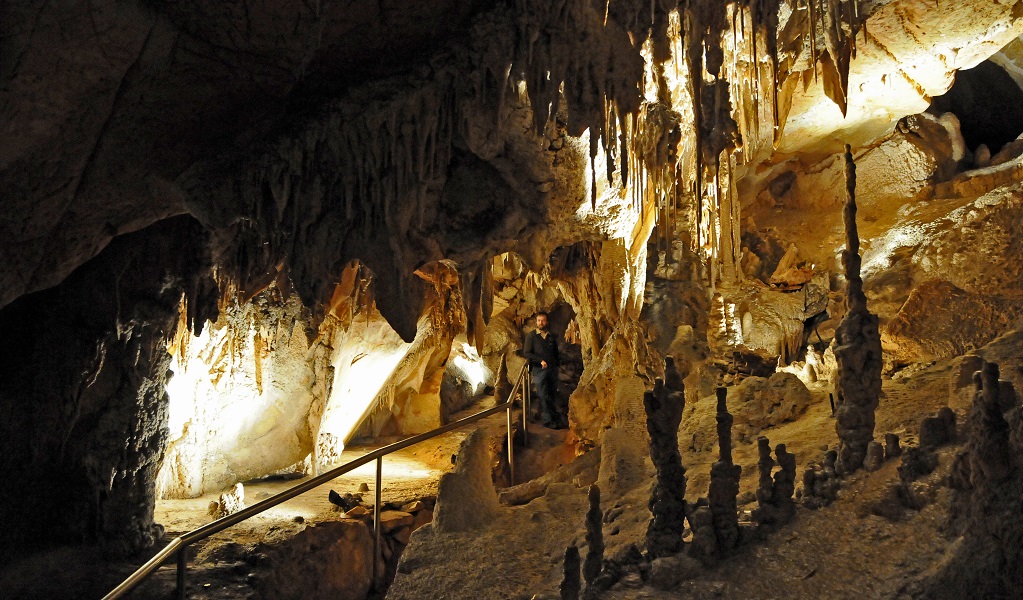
column 857, row 349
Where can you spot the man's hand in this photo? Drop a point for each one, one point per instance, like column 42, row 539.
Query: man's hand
column 543, row 364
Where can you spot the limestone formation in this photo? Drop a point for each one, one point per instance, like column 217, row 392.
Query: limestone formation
column 820, row 482
column 229, row 502
column 332, row 560
column 466, row 498
column 701, row 522
column 83, row 391
column 857, row 349
column 875, row 456
column 667, row 501
column 987, row 483
column 463, row 142
column 988, row 447
column 938, row 430
column 892, row 449
column 571, row 584
column 594, row 538
column 917, row 462
column 724, row 481
column 784, row 483
column 774, row 495
column 765, row 489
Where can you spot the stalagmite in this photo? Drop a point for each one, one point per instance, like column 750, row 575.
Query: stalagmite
column 724, row 481
column 987, row 498
column 594, row 539
column 988, row 446
column 774, row 496
column 571, row 584
column 667, row 502
column 891, row 446
column 875, row 456
column 701, row 521
column 784, row 483
column 765, row 489
column 858, row 349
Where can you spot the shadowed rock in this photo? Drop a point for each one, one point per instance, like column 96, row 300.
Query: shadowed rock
column 987, row 499
column 724, row 481
column 667, row 502
column 571, row 584
column 594, row 539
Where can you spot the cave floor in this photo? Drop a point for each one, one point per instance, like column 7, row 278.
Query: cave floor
column 221, row 566
column 842, row 551
column 408, row 475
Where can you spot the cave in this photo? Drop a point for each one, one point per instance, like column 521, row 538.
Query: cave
column 987, row 102
column 255, row 249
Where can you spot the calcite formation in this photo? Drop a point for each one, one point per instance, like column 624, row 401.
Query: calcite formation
column 987, row 483
column 83, row 391
column 774, row 495
column 820, row 482
column 296, row 156
column 857, row 349
column 701, row 521
column 724, row 481
column 892, row 448
column 938, row 430
column 571, row 584
column 594, row 539
column 667, row 501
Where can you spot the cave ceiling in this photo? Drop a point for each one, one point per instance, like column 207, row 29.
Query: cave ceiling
column 291, row 128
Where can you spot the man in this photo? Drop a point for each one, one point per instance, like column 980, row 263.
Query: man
column 541, row 350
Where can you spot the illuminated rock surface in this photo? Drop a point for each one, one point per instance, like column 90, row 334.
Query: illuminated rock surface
column 334, row 224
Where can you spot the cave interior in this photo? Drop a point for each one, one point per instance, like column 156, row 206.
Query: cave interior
column 244, row 243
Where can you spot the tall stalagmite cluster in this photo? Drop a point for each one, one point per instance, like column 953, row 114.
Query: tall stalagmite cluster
column 724, row 481
column 987, row 483
column 857, row 349
column 667, row 502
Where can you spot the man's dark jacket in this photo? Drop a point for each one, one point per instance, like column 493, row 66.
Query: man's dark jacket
column 537, row 349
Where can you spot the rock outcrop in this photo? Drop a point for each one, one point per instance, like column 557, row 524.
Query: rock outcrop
column 987, row 483
column 83, row 391
column 466, row 498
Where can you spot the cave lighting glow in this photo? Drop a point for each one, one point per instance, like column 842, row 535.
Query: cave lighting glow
column 358, row 380
column 472, row 366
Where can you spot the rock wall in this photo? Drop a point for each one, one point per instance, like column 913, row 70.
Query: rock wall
column 245, row 397
column 83, row 409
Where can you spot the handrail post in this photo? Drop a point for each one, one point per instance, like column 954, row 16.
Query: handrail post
column 182, row 566
column 376, row 520
column 525, row 406
column 511, row 450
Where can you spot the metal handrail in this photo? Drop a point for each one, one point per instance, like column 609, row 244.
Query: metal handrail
column 181, row 543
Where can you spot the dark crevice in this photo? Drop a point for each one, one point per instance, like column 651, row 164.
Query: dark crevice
column 988, row 103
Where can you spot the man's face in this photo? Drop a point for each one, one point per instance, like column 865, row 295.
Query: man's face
column 541, row 322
